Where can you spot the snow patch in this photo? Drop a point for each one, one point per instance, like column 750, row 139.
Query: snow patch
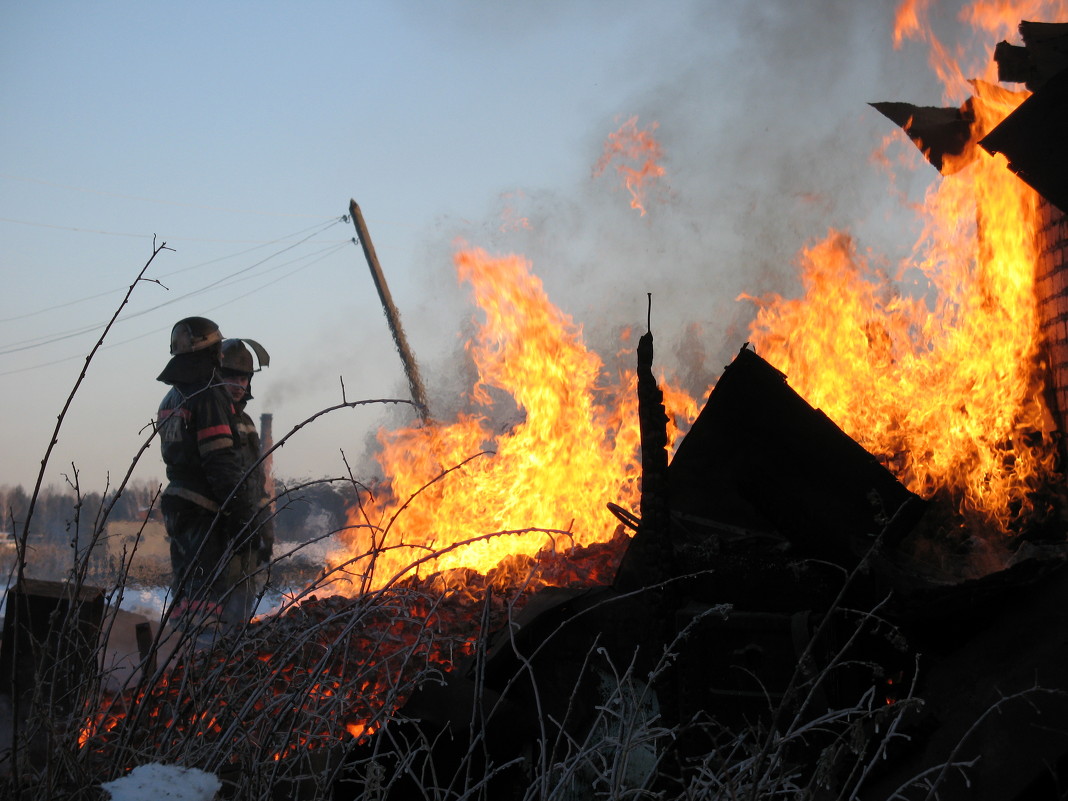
column 164, row 782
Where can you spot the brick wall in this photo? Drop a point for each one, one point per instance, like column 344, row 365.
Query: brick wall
column 1051, row 282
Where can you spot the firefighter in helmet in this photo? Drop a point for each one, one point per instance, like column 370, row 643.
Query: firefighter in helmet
column 208, row 505
column 236, row 373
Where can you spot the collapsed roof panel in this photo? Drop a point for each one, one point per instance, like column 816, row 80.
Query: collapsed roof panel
column 760, row 457
column 1034, row 138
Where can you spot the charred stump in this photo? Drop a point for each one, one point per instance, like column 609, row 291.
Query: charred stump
column 650, row 558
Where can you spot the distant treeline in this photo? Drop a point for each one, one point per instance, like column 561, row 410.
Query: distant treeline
column 303, row 513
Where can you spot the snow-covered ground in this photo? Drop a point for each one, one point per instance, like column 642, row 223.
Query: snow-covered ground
column 164, row 783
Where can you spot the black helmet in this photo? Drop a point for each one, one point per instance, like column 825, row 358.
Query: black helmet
column 193, row 334
column 237, row 359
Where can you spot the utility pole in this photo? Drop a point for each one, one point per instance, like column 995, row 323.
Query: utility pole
column 411, row 369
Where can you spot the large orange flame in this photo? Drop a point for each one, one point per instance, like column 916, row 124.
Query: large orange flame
column 545, row 480
column 934, row 369
column 945, row 383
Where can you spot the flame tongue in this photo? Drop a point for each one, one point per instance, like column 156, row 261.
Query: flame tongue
column 643, row 152
column 543, row 481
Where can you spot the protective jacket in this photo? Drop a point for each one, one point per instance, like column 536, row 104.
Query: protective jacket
column 197, row 426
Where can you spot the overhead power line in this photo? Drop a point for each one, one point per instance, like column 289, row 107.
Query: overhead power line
column 226, row 280
column 83, row 299
column 321, row 255
column 69, row 228
column 160, row 201
column 126, row 234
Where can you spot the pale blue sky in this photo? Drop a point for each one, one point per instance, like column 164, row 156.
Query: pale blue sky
column 233, row 130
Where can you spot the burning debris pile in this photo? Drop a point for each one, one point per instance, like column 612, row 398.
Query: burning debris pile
column 783, row 600
column 346, row 664
column 781, row 604
column 840, row 581
column 776, row 613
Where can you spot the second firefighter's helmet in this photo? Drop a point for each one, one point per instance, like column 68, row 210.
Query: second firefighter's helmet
column 237, row 359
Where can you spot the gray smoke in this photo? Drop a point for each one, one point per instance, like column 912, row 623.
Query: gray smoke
column 761, row 110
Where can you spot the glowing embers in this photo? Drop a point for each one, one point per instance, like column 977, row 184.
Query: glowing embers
column 327, row 670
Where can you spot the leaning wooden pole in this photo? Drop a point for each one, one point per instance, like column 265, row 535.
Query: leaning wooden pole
column 411, row 369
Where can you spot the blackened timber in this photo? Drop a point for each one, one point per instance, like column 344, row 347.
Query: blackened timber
column 649, row 559
column 937, row 132
column 1044, row 53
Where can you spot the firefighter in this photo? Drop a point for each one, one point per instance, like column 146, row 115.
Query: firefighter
column 236, row 372
column 207, row 505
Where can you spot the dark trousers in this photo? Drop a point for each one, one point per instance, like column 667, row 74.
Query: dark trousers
column 209, row 580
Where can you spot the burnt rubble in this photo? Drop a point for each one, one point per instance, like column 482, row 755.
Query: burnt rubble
column 773, row 621
column 775, row 596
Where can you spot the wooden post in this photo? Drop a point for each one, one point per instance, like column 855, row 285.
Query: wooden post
column 143, row 632
column 411, row 369
column 266, row 443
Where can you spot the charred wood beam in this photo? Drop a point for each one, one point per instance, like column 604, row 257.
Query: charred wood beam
column 1043, row 54
column 653, row 421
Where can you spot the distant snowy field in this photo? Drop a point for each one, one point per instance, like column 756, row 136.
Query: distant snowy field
column 151, row 601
